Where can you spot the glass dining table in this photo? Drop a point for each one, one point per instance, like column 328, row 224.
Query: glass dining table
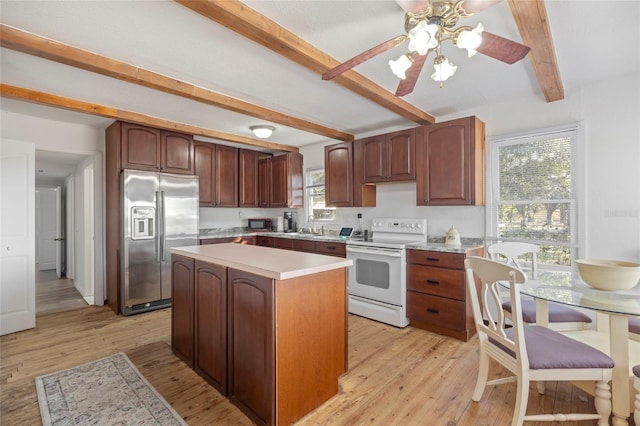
column 611, row 334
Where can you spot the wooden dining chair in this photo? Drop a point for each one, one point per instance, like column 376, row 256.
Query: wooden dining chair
column 530, row 352
column 561, row 318
column 636, row 386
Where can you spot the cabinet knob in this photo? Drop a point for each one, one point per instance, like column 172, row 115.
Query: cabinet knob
column 433, row 259
column 433, row 282
column 433, row 311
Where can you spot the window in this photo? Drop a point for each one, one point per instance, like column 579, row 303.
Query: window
column 315, row 197
column 533, row 193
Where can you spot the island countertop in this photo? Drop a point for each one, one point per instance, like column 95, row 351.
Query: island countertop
column 268, row 262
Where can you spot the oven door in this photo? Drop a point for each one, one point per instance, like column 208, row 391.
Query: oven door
column 377, row 273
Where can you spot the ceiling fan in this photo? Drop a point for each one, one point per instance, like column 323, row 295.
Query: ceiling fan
column 427, row 24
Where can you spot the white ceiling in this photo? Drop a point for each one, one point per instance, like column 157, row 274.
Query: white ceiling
column 594, row 40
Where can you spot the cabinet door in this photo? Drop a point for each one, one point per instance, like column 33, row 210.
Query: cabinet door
column 177, row 153
column 278, row 181
column 204, row 170
column 265, row 241
column 338, row 175
column 264, row 176
column 211, row 324
column 226, row 176
column 374, row 154
column 450, row 160
column 401, row 148
column 182, row 291
column 248, row 178
column 252, row 345
column 140, row 147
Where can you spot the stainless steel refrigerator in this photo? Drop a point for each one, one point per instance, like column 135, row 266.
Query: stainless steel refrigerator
column 160, row 212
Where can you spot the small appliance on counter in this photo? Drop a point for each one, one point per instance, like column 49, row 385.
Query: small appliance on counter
column 290, row 222
column 260, row 224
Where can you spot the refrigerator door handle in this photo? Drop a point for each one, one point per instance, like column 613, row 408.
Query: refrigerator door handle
column 163, row 234
column 158, row 227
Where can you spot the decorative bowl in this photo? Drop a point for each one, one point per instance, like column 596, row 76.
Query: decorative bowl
column 611, row 275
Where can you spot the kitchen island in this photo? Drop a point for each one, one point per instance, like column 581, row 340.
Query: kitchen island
column 267, row 327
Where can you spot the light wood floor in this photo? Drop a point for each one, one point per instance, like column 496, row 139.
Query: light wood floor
column 396, row 376
column 55, row 294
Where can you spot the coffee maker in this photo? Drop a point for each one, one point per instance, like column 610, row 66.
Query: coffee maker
column 290, row 222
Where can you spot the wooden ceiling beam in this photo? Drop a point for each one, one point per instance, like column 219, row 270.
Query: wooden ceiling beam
column 27, row 95
column 243, row 20
column 532, row 22
column 22, row 41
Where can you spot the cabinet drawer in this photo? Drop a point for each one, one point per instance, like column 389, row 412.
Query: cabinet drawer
column 264, row 241
column 436, row 258
column 334, row 249
column 437, row 311
column 304, row 245
column 283, row 243
column 437, row 281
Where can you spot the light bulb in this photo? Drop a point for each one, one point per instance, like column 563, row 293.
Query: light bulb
column 423, row 37
column 443, row 68
column 470, row 40
column 400, row 66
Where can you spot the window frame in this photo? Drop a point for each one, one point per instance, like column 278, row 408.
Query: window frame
column 577, row 200
column 307, row 196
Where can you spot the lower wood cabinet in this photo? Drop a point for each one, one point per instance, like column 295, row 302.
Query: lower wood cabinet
column 437, row 297
column 330, row 248
column 182, row 292
column 252, row 345
column 240, row 240
column 224, row 326
column 210, row 330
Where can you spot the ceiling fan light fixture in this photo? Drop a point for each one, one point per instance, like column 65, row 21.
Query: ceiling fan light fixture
column 423, row 37
column 262, row 131
column 443, row 68
column 400, row 66
column 470, row 39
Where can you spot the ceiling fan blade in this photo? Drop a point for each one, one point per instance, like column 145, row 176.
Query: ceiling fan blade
column 406, row 86
column 413, row 5
column 474, row 6
column 364, row 56
column 502, row 49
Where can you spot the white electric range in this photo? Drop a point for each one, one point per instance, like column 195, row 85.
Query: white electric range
column 377, row 279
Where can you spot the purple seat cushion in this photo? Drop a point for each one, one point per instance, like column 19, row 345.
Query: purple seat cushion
column 634, row 325
column 636, row 370
column 547, row 349
column 557, row 313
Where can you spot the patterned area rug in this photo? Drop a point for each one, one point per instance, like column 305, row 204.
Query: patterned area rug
column 109, row 391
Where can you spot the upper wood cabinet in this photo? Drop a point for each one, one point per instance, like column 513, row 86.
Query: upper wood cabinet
column 338, row 175
column 146, row 148
column 264, row 171
column 217, row 169
column 248, row 195
column 343, row 179
column 450, row 162
column 387, row 158
column 285, row 180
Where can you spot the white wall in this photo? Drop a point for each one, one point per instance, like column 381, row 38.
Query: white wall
column 610, row 215
column 57, row 136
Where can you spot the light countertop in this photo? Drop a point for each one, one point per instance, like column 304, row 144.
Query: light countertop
column 268, row 262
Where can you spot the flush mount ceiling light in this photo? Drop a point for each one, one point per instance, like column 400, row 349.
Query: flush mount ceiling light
column 262, row 131
column 428, row 24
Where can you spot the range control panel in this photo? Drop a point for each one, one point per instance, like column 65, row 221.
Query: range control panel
column 399, row 225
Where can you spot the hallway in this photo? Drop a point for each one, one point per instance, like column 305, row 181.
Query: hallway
column 55, row 294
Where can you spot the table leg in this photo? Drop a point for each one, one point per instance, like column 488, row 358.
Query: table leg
column 542, row 312
column 619, row 351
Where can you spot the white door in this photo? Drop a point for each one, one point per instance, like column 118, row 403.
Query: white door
column 59, row 239
column 17, row 236
column 47, row 228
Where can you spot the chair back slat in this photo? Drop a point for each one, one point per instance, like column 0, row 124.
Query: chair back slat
column 512, row 253
column 490, row 274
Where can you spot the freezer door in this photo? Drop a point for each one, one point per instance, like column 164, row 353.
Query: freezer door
column 140, row 255
column 180, row 205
